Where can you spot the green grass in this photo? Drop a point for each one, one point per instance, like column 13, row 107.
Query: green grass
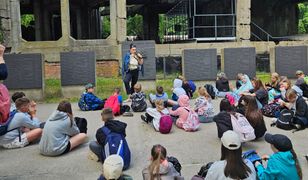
column 105, row 87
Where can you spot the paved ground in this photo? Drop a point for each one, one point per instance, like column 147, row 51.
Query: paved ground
column 192, row 149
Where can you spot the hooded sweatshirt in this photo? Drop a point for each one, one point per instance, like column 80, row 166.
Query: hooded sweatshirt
column 166, row 173
column 57, row 133
column 223, row 122
column 177, row 88
column 114, row 126
column 182, row 111
column 280, row 165
column 222, row 85
column 156, row 116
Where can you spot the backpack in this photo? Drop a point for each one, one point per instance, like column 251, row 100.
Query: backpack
column 242, row 127
column 285, row 120
column 210, row 89
column 113, row 103
column 4, row 127
column 5, row 103
column 192, row 123
column 192, row 86
column 82, row 103
column 203, row 171
column 116, row 143
column 176, row 164
column 165, row 124
column 271, row 110
column 81, row 124
column 252, row 156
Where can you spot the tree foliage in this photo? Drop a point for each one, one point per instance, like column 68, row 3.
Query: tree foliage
column 135, row 25
column 303, row 18
column 106, row 27
column 27, row 19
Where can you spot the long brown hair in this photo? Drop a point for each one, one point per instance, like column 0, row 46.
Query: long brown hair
column 252, row 113
column 235, row 167
column 258, row 84
column 158, row 153
column 284, row 79
column 65, row 106
column 298, row 167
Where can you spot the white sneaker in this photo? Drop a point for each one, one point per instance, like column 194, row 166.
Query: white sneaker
column 92, row 156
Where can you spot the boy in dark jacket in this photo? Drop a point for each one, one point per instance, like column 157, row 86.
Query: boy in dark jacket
column 92, row 101
column 97, row 147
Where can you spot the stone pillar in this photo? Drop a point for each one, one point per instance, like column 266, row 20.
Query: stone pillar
column 243, row 19
column 65, row 19
column 15, row 25
column 38, row 22
column 118, row 20
column 5, row 21
column 150, row 24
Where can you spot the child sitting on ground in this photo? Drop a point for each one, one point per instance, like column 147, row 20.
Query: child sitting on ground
column 204, row 106
column 187, row 86
column 112, row 169
column 114, row 126
column 297, row 104
column 138, row 99
column 283, row 164
column 23, row 119
column 160, row 94
column 160, row 167
column 115, row 103
column 177, row 89
column 182, row 111
column 15, row 96
column 88, row 101
column 61, row 133
column 154, row 114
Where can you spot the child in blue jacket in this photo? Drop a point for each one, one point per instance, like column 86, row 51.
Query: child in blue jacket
column 91, row 101
column 283, row 164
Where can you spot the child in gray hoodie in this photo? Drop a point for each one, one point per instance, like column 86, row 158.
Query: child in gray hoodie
column 61, row 133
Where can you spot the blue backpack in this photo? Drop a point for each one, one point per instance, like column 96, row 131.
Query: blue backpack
column 192, row 85
column 82, row 103
column 116, row 143
column 4, row 127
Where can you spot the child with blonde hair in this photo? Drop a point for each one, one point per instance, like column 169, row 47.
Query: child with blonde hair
column 154, row 114
column 204, row 106
column 138, row 99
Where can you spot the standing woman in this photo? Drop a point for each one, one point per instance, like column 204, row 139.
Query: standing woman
column 3, row 68
column 130, row 68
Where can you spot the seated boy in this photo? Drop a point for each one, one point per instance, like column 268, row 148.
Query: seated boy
column 138, row 99
column 89, row 100
column 160, row 95
column 115, row 126
column 24, row 118
column 16, row 96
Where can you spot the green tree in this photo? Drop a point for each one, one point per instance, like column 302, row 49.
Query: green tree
column 135, row 25
column 303, row 18
column 26, row 19
column 106, row 27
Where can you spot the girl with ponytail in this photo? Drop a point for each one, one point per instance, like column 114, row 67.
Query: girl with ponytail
column 159, row 167
column 283, row 164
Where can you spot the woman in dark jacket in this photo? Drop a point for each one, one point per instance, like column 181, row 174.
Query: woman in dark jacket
column 223, row 118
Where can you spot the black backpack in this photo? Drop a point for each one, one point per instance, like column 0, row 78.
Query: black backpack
column 176, row 164
column 285, row 120
column 210, row 89
column 81, row 124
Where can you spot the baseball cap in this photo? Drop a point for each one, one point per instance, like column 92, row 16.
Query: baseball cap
column 231, row 140
column 112, row 167
column 299, row 72
column 89, row 85
column 279, row 141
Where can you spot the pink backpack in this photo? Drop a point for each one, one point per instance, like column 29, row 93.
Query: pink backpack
column 165, row 124
column 5, row 103
column 242, row 127
column 231, row 99
column 192, row 123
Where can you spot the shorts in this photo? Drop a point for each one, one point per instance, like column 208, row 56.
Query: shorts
column 68, row 148
column 16, row 144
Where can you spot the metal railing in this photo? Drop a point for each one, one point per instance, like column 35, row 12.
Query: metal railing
column 261, row 35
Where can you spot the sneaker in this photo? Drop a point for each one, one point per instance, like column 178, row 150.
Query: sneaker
column 92, row 156
column 144, row 119
column 128, row 114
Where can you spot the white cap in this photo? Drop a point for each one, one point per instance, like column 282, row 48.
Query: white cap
column 113, row 166
column 231, row 140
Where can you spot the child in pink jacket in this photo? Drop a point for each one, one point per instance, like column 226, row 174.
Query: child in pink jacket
column 182, row 111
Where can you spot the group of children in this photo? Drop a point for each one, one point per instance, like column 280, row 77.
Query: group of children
column 240, row 114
